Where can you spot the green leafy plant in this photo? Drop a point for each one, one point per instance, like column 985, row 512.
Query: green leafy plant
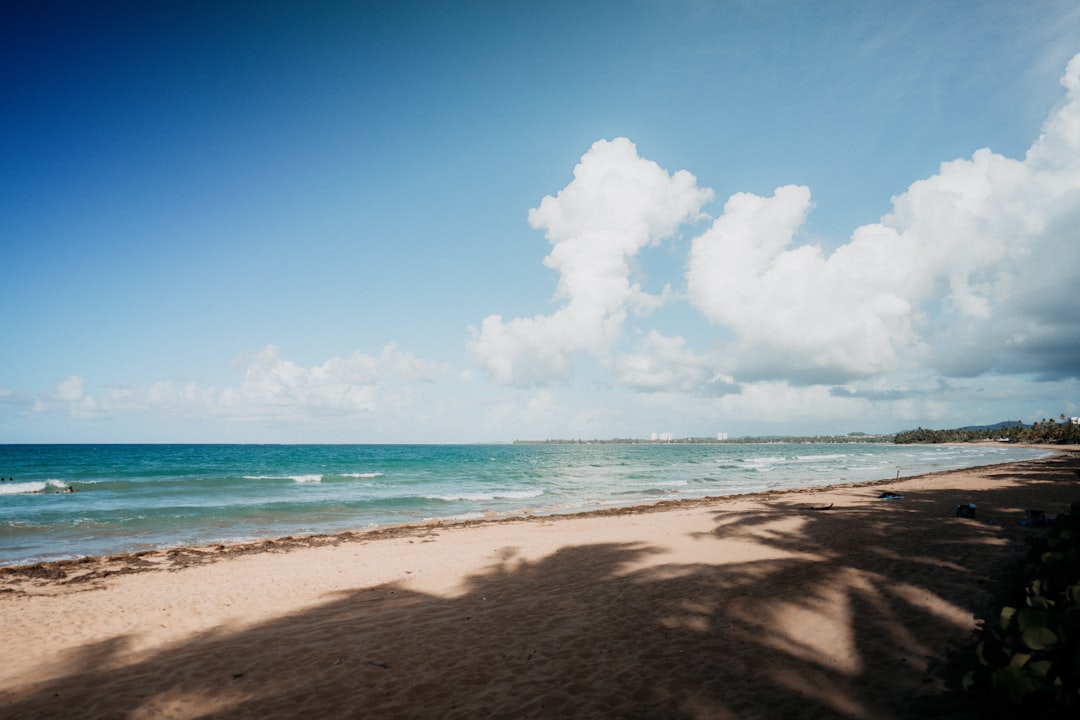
column 1030, row 653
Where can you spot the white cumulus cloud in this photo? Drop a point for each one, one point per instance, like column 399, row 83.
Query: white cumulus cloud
column 797, row 313
column 666, row 364
column 617, row 204
column 355, row 384
column 71, row 393
column 973, row 271
column 273, row 387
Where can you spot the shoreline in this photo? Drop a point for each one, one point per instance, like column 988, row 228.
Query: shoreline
column 137, row 561
column 42, row 548
column 58, row 568
column 828, row 602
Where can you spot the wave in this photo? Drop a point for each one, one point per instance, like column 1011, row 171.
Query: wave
column 482, row 496
column 763, row 464
column 33, row 488
column 294, row 478
column 662, row 483
column 306, row 478
column 315, row 477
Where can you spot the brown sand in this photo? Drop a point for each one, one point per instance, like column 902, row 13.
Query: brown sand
column 806, row 604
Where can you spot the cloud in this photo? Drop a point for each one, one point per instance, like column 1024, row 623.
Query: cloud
column 273, row 388
column 353, row 385
column 796, row 313
column 999, row 241
column 974, row 271
column 71, row 394
column 617, row 204
column 70, row 390
column 666, row 364
column 171, row 396
column 272, row 383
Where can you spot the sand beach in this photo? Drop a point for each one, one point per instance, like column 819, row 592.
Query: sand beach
column 822, row 603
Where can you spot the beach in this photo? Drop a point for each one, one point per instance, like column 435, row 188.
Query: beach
column 813, row 603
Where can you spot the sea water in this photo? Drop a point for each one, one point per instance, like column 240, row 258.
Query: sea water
column 67, row 501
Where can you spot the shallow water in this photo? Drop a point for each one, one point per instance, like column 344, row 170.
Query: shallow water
column 134, row 497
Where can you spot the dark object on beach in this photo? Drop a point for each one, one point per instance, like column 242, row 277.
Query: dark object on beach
column 890, row 496
column 966, row 510
column 816, row 507
column 1037, row 518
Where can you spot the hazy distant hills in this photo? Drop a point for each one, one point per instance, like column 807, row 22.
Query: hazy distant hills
column 995, row 426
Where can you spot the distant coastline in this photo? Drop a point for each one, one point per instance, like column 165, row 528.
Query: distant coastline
column 1049, row 431
column 762, row 439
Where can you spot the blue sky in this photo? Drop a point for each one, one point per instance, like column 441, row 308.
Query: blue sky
column 482, row 221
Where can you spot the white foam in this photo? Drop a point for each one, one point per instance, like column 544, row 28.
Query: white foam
column 363, row 475
column 764, row 464
column 294, row 478
column 660, row 483
column 30, row 488
column 481, row 497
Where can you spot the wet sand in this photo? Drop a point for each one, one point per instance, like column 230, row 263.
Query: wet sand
column 818, row 603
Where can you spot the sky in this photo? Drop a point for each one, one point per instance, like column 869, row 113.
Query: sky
column 350, row 222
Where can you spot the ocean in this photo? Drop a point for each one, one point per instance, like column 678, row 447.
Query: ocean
column 68, row 501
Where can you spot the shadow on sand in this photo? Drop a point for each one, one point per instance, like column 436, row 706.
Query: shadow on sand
column 591, row 632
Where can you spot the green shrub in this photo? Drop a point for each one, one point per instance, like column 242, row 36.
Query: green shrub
column 1030, row 653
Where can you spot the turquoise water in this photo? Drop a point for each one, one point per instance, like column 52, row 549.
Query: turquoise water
column 137, row 497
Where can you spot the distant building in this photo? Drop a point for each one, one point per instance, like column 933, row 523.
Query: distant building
column 1075, row 420
column 663, row 437
column 721, row 436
